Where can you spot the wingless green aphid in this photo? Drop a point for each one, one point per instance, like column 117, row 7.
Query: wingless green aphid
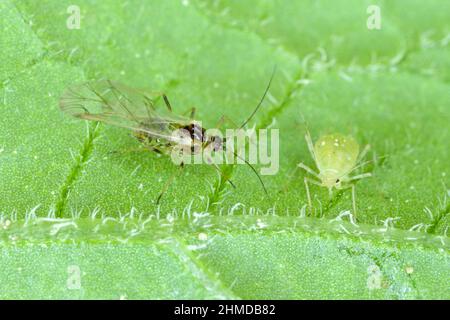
column 137, row 110
column 336, row 156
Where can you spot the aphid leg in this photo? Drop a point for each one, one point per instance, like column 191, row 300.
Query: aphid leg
column 144, row 148
column 308, row 169
column 192, row 115
column 359, row 176
column 363, row 153
column 354, row 200
column 308, row 195
column 129, row 150
column 354, row 178
column 310, row 145
column 166, row 101
column 222, row 121
column 353, row 187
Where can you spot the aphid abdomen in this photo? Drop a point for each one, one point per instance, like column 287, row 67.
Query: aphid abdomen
column 336, row 154
column 151, row 142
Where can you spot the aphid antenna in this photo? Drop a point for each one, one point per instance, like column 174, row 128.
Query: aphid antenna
column 262, row 99
column 255, row 172
column 220, row 172
column 361, row 165
column 367, row 162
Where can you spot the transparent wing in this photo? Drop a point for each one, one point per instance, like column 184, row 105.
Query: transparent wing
column 122, row 106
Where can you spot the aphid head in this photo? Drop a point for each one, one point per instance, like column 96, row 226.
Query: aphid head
column 191, row 137
column 330, row 178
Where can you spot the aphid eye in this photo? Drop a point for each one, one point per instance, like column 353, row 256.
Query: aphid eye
column 337, row 180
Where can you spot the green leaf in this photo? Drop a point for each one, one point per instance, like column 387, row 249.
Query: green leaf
column 141, row 256
column 74, row 197
column 20, row 46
